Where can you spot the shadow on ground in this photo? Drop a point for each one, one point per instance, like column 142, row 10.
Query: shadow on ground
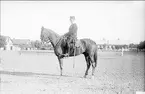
column 16, row 73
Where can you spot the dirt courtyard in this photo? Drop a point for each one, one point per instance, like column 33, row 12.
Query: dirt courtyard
column 39, row 73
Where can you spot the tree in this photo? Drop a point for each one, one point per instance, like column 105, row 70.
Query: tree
column 2, row 41
column 37, row 44
column 46, row 46
column 32, row 44
column 117, row 47
column 133, row 45
column 141, row 45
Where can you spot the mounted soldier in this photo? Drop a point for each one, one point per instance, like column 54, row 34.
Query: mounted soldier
column 71, row 36
column 87, row 47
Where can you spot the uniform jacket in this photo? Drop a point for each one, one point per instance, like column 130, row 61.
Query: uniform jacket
column 72, row 31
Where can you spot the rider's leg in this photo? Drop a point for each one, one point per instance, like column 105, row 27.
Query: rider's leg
column 68, row 50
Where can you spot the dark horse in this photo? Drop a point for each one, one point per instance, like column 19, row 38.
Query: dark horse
column 88, row 49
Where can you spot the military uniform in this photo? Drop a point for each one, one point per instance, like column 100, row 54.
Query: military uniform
column 71, row 36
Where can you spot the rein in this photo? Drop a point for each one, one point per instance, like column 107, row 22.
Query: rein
column 59, row 40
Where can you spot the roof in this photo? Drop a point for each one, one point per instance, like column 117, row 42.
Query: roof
column 113, row 42
column 119, row 42
column 6, row 37
column 20, row 41
column 99, row 42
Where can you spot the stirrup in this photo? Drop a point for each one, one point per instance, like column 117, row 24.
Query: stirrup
column 66, row 55
column 77, row 46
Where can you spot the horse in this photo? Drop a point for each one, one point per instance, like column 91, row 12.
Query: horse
column 88, row 49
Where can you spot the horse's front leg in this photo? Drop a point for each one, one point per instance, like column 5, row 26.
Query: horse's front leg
column 61, row 65
column 88, row 66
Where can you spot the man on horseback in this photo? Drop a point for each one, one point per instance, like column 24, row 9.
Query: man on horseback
column 71, row 36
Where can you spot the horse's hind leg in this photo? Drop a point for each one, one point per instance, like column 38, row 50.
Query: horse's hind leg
column 94, row 63
column 93, row 68
column 88, row 66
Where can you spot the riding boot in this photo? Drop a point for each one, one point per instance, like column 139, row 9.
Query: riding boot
column 67, row 53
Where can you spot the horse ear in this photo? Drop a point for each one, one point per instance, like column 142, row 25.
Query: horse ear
column 42, row 27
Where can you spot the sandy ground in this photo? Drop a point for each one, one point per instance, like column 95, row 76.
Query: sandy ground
column 38, row 73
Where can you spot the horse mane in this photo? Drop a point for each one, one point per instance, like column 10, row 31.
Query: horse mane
column 54, row 35
column 52, row 32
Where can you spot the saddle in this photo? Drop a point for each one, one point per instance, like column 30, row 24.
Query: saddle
column 73, row 44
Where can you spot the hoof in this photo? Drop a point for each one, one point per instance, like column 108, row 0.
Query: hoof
column 85, row 76
column 92, row 77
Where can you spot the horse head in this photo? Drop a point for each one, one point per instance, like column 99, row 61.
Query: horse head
column 44, row 36
column 48, row 35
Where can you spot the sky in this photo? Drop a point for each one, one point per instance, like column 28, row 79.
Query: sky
column 95, row 19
